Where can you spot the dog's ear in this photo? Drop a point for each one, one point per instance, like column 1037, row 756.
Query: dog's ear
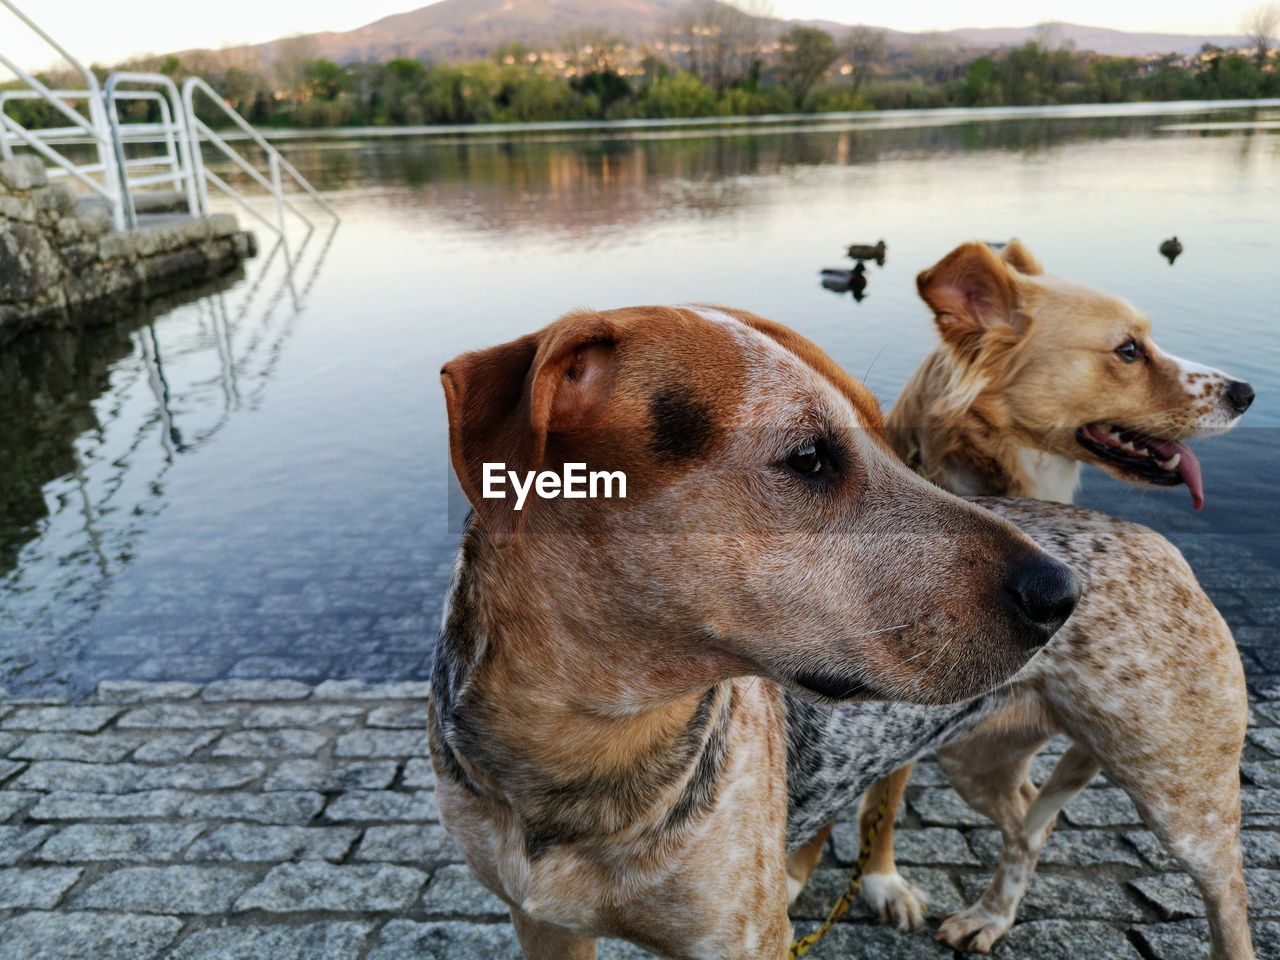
column 1016, row 255
column 503, row 402
column 970, row 291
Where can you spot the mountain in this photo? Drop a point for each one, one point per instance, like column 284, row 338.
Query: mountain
column 466, row 29
column 1116, row 43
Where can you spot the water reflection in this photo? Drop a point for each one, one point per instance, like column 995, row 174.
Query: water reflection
column 254, row 482
column 97, row 416
column 584, row 188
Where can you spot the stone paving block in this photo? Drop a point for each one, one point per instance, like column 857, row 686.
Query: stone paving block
column 106, row 806
column 282, row 742
column 316, row 885
column 1110, row 807
column 102, row 748
column 180, row 716
column 1254, row 802
column 929, row 845
column 1152, row 850
column 1261, row 849
column 35, row 888
column 927, row 773
column 455, row 892
column 864, row 940
column 92, row 936
column 8, row 768
column 239, row 842
column 9, row 740
column 1265, row 773
column 827, row 883
column 382, row 743
column 1072, row 848
column 1189, row 939
column 17, row 842
column 1053, row 896
column 446, row 940
column 329, row 777
column 255, row 690
column 411, row 716
column 361, row 690
column 1268, row 738
column 1175, row 896
column 131, row 777
column 168, row 747
column 1066, row 940
column 943, row 807
column 1042, row 765
column 60, row 719
column 1181, row 940
column 419, row 844
column 621, row 950
column 12, row 801
column 131, row 842
column 182, row 889
column 285, row 806
column 418, row 774
column 383, row 805
column 312, row 941
column 144, row 691
column 307, row 715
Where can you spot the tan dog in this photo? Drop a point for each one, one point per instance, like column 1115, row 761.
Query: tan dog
column 622, row 718
column 1036, row 375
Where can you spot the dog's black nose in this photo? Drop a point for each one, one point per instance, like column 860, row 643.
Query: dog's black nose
column 1042, row 593
column 1239, row 395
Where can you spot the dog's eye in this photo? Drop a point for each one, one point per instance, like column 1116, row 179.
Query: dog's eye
column 1129, row 351
column 807, row 459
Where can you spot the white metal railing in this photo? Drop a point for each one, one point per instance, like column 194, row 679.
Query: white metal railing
column 114, row 174
column 106, row 182
column 276, row 163
column 175, row 162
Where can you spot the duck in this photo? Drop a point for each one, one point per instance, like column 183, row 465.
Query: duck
column 1171, row 249
column 868, row 251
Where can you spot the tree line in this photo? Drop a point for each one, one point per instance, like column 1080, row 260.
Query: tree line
column 715, row 60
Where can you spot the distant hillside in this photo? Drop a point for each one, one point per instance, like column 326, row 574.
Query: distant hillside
column 467, row 29
column 1116, row 43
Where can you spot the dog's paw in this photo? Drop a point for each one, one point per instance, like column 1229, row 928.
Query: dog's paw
column 975, row 930
column 894, row 900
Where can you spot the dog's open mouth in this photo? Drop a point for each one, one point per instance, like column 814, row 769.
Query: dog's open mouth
column 1149, row 459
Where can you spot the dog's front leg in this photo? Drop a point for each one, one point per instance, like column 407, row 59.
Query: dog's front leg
column 544, row 941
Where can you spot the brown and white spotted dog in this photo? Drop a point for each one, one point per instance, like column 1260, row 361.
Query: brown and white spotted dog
column 631, row 715
column 644, row 711
column 1036, row 375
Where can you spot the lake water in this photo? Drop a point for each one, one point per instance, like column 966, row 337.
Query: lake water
column 254, row 482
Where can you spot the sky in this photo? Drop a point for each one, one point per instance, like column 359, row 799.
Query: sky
column 107, row 33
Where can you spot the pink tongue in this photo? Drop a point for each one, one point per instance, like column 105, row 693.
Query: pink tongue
column 1188, row 469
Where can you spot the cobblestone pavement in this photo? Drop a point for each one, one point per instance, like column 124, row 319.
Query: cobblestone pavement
column 273, row 818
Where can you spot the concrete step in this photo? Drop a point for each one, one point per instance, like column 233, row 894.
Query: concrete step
column 144, row 202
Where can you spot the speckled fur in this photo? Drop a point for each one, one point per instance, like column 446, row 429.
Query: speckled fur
column 1145, row 677
column 615, row 720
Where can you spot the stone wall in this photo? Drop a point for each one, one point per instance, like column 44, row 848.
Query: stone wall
column 61, row 263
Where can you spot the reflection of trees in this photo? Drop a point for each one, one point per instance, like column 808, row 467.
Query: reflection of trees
column 577, row 183
column 96, row 416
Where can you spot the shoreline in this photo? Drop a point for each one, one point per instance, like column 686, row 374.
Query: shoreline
column 770, row 122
